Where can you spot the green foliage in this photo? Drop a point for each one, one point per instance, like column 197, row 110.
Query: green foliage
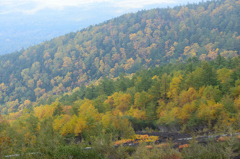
column 166, row 151
column 211, row 150
column 76, row 152
column 58, row 110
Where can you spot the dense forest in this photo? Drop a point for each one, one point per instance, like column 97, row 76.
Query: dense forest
column 190, row 97
column 148, row 38
column 170, row 70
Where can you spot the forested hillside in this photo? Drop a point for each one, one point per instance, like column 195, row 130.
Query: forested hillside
column 191, row 97
column 177, row 96
column 128, row 43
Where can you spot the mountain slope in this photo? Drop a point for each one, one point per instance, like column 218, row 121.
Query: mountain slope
column 125, row 44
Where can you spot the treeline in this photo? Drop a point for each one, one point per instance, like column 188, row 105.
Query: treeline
column 185, row 97
column 148, row 38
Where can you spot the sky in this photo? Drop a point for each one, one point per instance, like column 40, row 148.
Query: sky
column 29, row 22
column 34, row 6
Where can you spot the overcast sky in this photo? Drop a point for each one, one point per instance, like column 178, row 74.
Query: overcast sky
column 34, row 6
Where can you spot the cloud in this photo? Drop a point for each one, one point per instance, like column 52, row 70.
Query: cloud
column 33, row 6
column 140, row 3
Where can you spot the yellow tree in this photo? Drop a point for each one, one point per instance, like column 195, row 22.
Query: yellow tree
column 107, row 120
column 185, row 112
column 209, row 111
column 79, row 126
column 121, row 101
column 60, row 124
column 187, row 96
column 74, row 125
column 44, row 111
column 89, row 113
column 174, row 86
column 136, row 113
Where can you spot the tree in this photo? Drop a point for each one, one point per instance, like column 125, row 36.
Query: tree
column 164, row 85
column 32, row 124
column 141, row 100
column 211, row 92
column 224, row 76
column 90, row 92
column 209, row 75
column 107, row 86
column 174, row 89
column 30, row 83
column 58, row 110
column 209, row 111
column 48, row 138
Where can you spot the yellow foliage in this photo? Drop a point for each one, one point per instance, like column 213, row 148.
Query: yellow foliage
column 44, row 111
column 161, row 109
column 136, row 113
column 88, row 111
column 25, row 104
column 225, row 121
column 237, row 103
column 186, row 49
column 155, row 77
column 123, row 141
column 128, row 64
column 60, row 121
column 106, row 119
column 191, row 50
column 117, row 112
column 12, row 104
column 13, row 116
column 186, row 110
column 203, row 57
column 119, row 101
column 187, row 96
column 209, row 110
column 75, row 125
column 170, row 53
column 133, row 36
column 146, row 138
column 174, row 87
